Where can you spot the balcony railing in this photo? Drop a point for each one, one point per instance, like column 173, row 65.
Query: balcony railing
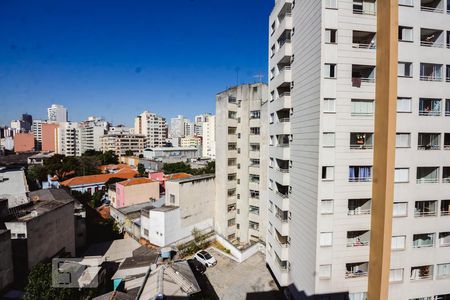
column 358, row 211
column 285, row 196
column 432, row 113
column 432, row 9
column 283, row 145
column 364, row 46
column 355, row 274
column 418, row 213
column 428, row 180
column 356, row 242
column 361, row 146
column 283, row 170
column 428, row 147
column 360, row 179
column 284, row 120
column 431, row 44
column 446, row 180
column 430, row 78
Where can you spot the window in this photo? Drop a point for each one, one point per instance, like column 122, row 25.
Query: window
column 405, row 34
column 330, row 36
column 255, row 130
column 329, row 105
column 146, row 232
column 330, row 70
column 357, row 296
column 331, row 4
column 396, row 275
column 231, row 222
column 401, row 175
column 360, row 173
column 328, row 139
column 327, row 173
column 404, row 69
column 403, row 140
column 406, row 2
column 326, row 239
column 172, row 199
column 423, row 240
column 398, row 242
column 255, row 114
column 362, row 107
column 325, row 271
column 443, row 270
column 404, row 104
column 326, row 207
column 400, row 209
column 421, row 272
column 253, row 225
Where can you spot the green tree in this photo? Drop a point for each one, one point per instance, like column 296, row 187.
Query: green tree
column 129, row 153
column 97, row 198
column 209, row 169
column 179, row 167
column 109, row 157
column 141, row 169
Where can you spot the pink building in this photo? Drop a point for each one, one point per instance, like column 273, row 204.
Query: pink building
column 162, row 178
column 135, row 191
column 23, row 142
column 48, row 137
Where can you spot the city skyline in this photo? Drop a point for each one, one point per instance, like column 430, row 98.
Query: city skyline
column 84, row 61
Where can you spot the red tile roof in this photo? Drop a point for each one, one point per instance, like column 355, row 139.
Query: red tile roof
column 100, row 178
column 134, row 181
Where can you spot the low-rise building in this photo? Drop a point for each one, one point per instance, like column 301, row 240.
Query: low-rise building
column 23, row 142
column 13, row 186
column 191, row 141
column 123, row 142
column 171, row 154
column 189, row 204
column 38, row 158
column 162, row 178
column 134, row 191
column 6, row 262
column 93, row 183
column 49, row 214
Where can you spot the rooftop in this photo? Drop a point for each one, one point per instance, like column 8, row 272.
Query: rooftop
column 13, row 186
column 176, row 176
column 42, row 155
column 100, row 178
column 172, row 149
column 194, row 178
column 135, row 181
column 135, row 208
column 165, row 208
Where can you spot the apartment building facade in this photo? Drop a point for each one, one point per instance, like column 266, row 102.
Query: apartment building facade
column 322, row 62
column 209, row 138
column 153, row 127
column 120, row 143
column 67, row 139
column 241, row 177
column 36, row 128
column 91, row 131
column 57, row 113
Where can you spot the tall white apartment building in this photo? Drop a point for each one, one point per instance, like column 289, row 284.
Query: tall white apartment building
column 321, row 111
column 153, row 127
column 209, row 137
column 67, row 139
column 36, row 128
column 57, row 113
column 241, row 170
column 198, row 123
column 120, row 143
column 179, row 127
column 91, row 131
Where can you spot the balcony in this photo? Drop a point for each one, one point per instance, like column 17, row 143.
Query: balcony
column 358, row 238
column 359, row 207
column 430, row 72
column 360, row 174
column 447, row 107
column 364, row 7
column 445, row 207
column 421, row 273
column 429, row 107
column 284, row 78
column 423, row 240
column 425, row 208
column 283, row 265
column 282, row 245
column 427, row 175
column 284, row 53
column 362, row 74
column 282, row 140
column 435, row 6
column 361, row 140
column 364, row 39
column 446, row 175
column 429, row 141
column 431, row 38
column 444, row 239
column 282, row 215
column 284, row 115
column 355, row 270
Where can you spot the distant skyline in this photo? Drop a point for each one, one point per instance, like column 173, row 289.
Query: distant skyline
column 114, row 59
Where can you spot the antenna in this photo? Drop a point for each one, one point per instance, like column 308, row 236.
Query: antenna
column 237, row 69
column 259, row 76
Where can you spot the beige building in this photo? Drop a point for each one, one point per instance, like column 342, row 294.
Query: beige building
column 67, row 137
column 120, row 143
column 241, row 167
column 191, row 142
column 153, row 127
column 321, row 110
column 134, row 191
column 209, row 137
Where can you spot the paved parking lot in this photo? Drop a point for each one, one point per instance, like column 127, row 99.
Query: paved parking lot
column 247, row 280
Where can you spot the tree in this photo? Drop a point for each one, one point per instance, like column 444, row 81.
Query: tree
column 129, row 153
column 97, row 199
column 209, row 169
column 179, row 167
column 109, row 157
column 141, row 169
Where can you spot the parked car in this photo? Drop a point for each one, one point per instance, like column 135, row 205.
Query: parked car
column 196, row 266
column 205, row 258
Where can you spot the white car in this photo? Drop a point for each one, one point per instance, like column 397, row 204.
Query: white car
column 205, row 258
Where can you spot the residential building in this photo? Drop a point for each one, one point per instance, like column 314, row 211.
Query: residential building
column 198, row 123
column 162, row 178
column 28, row 122
column 189, row 204
column 50, row 214
column 93, row 183
column 67, row 139
column 23, row 142
column 178, row 127
column 209, row 137
column 49, row 137
column 57, row 113
column 120, row 143
column 321, row 111
column 134, row 191
column 18, row 126
column 128, row 218
column 38, row 158
column 191, row 142
column 13, row 186
column 6, row 261
column 241, row 165
column 153, row 127
column 91, row 132
column 36, row 128
column 171, row 154
column 120, row 129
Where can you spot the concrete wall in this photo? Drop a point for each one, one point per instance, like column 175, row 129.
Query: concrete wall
column 23, row 142
column 135, row 194
column 6, row 261
column 48, row 137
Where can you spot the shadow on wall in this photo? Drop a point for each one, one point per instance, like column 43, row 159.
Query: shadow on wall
column 292, row 292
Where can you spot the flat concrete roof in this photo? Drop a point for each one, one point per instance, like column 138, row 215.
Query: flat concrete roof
column 13, row 186
column 172, row 149
column 165, row 208
column 194, row 178
column 135, row 208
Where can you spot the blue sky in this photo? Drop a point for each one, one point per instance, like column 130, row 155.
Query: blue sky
column 118, row 58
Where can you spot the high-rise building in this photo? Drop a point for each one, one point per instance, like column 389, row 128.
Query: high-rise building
column 36, row 128
column 68, row 139
column 209, row 137
column 198, row 122
column 49, row 142
column 91, row 130
column 241, row 170
column 321, row 111
column 57, row 113
column 120, row 143
column 153, row 127
column 178, row 127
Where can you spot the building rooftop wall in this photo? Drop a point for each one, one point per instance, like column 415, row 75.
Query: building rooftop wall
column 135, row 181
